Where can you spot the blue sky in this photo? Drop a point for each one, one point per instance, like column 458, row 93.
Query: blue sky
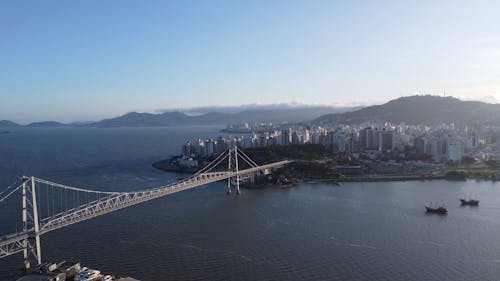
column 85, row 60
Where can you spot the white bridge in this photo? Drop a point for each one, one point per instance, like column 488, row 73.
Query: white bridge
column 47, row 206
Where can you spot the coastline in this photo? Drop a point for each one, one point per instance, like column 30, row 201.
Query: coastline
column 167, row 166
column 394, row 178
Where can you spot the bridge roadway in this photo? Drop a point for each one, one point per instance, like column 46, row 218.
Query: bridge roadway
column 13, row 243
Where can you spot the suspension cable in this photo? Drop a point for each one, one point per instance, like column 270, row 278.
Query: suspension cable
column 204, row 169
column 11, row 185
column 247, row 159
column 74, row 188
column 10, row 193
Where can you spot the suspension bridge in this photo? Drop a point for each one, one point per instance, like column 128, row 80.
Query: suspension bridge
column 47, row 206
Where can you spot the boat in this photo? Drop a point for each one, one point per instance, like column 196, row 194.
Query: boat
column 438, row 210
column 87, row 274
column 441, row 210
column 470, row 202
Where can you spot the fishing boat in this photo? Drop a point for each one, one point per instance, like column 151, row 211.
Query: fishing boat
column 441, row 210
column 470, row 202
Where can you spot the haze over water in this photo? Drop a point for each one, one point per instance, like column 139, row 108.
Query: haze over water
column 356, row 231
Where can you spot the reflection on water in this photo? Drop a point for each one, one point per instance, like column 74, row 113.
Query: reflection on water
column 357, row 231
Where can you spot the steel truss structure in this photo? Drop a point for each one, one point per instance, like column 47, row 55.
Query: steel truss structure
column 28, row 241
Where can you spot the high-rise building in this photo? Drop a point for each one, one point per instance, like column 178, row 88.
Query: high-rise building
column 221, row 144
column 286, row 136
column 368, row 138
column 436, row 148
column 200, row 148
column 421, row 144
column 385, row 140
column 209, row 147
column 339, row 141
column 455, row 151
column 187, row 149
column 296, row 138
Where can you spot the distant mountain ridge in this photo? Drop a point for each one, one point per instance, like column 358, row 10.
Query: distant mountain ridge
column 175, row 118
column 135, row 119
column 46, row 124
column 10, row 124
column 412, row 110
column 421, row 110
column 7, row 123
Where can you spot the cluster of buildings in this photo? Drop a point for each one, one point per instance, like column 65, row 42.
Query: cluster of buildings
column 442, row 143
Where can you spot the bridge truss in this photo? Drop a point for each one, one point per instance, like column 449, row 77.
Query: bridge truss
column 47, row 206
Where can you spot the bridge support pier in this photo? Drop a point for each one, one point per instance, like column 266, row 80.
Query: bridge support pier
column 30, row 220
column 25, row 225
column 237, row 170
column 36, row 224
column 229, row 169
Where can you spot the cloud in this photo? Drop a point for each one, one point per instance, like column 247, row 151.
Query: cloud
column 487, row 99
column 243, row 107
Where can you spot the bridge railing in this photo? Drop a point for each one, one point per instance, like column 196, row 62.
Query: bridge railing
column 109, row 202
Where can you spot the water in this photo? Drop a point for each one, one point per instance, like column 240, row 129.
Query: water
column 357, row 231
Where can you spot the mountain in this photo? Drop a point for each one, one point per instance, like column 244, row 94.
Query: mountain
column 421, row 110
column 46, row 124
column 81, row 123
column 291, row 115
column 7, row 123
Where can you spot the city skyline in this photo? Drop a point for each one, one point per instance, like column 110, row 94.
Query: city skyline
column 91, row 60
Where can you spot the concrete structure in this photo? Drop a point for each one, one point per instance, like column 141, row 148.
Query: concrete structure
column 455, row 151
column 286, row 136
column 385, row 140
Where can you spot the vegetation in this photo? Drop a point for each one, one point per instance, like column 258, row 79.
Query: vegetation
column 312, row 161
column 454, row 174
column 468, row 160
column 309, row 170
column 492, row 163
column 280, row 152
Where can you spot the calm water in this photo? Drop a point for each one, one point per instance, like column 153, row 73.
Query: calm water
column 357, row 231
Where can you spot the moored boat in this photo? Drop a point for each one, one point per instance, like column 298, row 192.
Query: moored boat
column 87, row 274
column 439, row 210
column 470, row 202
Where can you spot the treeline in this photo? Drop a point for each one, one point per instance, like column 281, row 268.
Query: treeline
column 294, row 151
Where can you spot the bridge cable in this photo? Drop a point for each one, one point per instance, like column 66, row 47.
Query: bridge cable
column 47, row 200
column 247, row 159
column 74, row 188
column 5, row 190
column 204, row 169
column 10, row 193
column 216, row 164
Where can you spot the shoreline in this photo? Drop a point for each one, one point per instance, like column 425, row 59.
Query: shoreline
column 166, row 165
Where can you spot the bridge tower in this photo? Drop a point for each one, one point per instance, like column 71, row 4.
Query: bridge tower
column 31, row 244
column 233, row 166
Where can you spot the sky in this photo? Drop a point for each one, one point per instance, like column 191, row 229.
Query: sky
column 88, row 60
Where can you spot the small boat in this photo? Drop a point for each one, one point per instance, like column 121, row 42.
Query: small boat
column 470, row 202
column 438, row 210
column 87, row 274
column 441, row 210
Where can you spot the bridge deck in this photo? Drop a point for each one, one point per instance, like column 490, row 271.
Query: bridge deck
column 12, row 243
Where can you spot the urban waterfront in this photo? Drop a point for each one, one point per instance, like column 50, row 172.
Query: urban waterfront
column 356, row 231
